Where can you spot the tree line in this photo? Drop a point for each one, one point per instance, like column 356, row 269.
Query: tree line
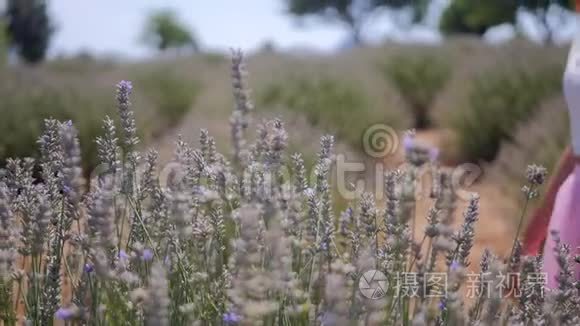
column 460, row 16
column 26, row 26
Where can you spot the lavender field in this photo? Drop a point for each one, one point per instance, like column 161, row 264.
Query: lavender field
column 288, row 163
column 251, row 238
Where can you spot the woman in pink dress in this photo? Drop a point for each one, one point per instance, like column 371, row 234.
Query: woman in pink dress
column 559, row 216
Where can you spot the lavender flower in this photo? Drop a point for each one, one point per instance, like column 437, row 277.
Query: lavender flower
column 7, row 253
column 336, row 297
column 277, row 143
column 51, row 154
column 239, row 244
column 250, row 284
column 107, row 148
column 208, row 147
column 455, row 266
column 71, row 178
column 299, row 171
column 239, row 120
column 124, row 89
column 101, row 217
column 89, row 268
column 39, row 226
column 465, row 236
column 416, row 153
column 157, row 306
column 231, row 318
column 346, row 218
column 147, row 255
column 149, row 178
column 433, row 154
column 123, row 255
column 66, row 313
column 536, row 174
column 52, row 285
column 239, row 73
column 368, row 215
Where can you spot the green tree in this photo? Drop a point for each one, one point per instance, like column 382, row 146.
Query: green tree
column 164, row 31
column 540, row 8
column 351, row 13
column 29, row 28
column 419, row 7
column 475, row 17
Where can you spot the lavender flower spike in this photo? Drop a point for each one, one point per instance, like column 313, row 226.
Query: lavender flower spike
column 123, row 255
column 7, row 253
column 147, row 255
column 71, row 178
column 124, row 89
column 231, row 318
column 157, row 307
column 66, row 313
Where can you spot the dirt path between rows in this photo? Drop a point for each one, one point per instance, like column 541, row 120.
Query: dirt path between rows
column 495, row 228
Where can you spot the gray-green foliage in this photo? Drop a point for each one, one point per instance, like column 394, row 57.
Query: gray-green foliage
column 466, row 16
column 334, row 105
column 419, row 79
column 171, row 94
column 249, row 242
column 498, row 101
column 23, row 112
column 30, row 97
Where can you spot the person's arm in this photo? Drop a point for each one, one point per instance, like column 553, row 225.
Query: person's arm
column 537, row 229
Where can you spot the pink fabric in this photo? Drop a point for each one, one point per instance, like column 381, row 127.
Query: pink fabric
column 537, row 230
column 566, row 220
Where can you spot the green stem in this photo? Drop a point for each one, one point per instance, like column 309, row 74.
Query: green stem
column 520, row 223
column 149, row 239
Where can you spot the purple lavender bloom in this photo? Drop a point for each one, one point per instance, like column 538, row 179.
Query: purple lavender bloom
column 64, row 314
column 89, row 268
column 123, row 255
column 433, row 154
column 408, row 142
column 442, row 306
column 147, row 255
column 66, row 189
column 231, row 318
column 125, row 86
column 455, row 265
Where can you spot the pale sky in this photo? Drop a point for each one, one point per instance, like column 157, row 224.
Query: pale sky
column 114, row 26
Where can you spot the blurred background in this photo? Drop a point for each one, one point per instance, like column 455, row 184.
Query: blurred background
column 479, row 79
